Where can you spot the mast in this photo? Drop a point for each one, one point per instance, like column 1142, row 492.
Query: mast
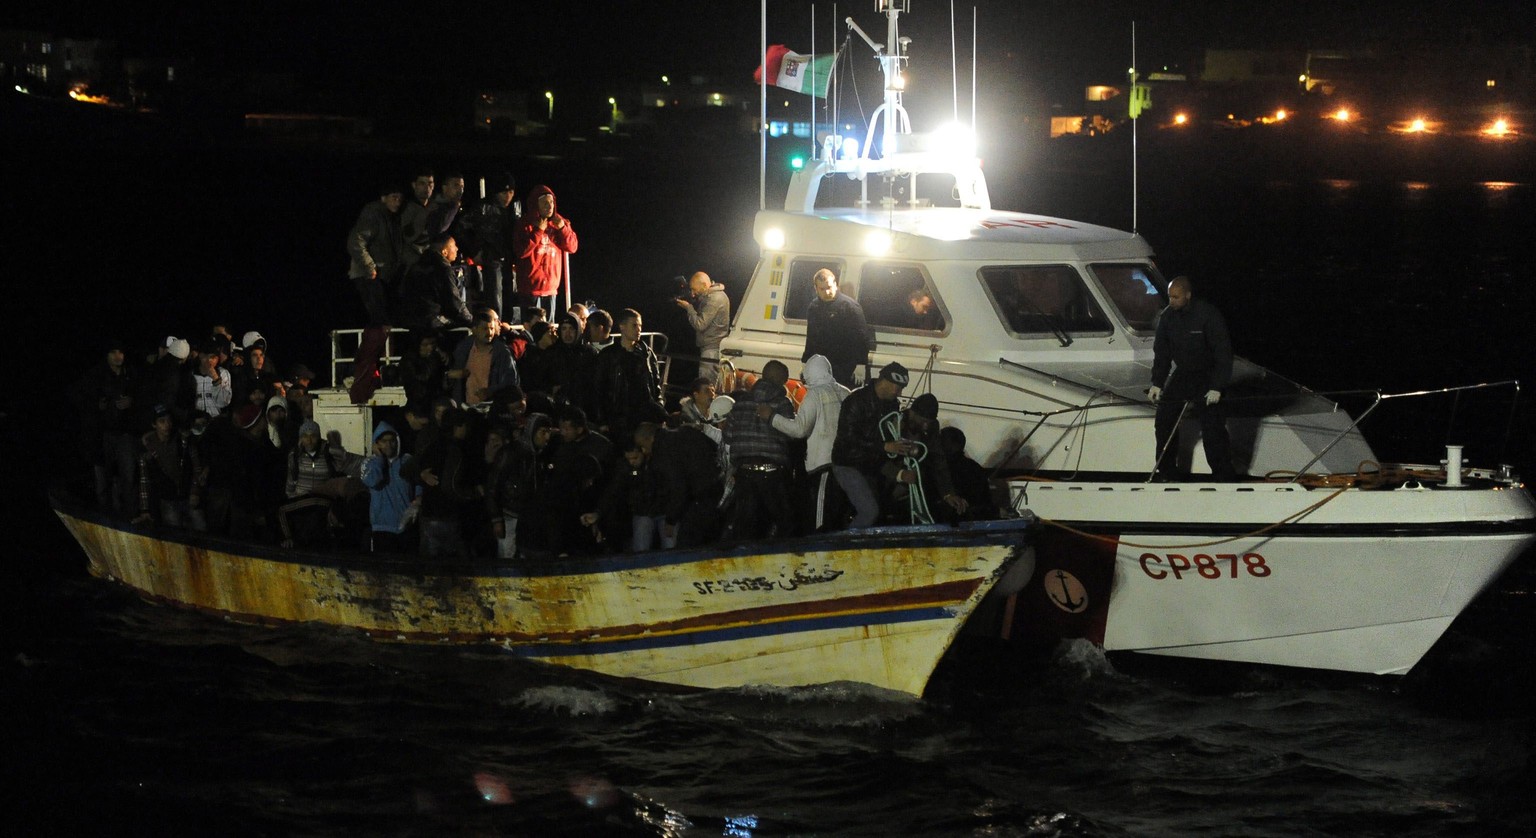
column 897, row 152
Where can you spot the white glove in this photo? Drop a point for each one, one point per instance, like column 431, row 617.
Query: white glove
column 1212, row 397
column 1154, row 394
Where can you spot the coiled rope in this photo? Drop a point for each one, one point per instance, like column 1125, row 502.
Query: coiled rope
column 917, row 499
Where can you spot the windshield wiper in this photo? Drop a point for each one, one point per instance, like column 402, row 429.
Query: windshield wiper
column 1050, row 320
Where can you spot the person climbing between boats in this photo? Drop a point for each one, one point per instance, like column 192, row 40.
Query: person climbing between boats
column 1191, row 364
column 924, row 472
column 859, row 451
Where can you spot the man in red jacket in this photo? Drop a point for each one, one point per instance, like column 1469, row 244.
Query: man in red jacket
column 543, row 239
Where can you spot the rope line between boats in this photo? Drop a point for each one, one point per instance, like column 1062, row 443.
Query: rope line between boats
column 1361, row 479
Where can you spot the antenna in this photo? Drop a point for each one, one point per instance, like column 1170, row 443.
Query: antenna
column 1135, row 147
column 973, row 70
column 762, row 116
column 954, row 74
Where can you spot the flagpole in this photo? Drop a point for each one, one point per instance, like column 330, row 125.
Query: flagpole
column 812, row 78
column 762, row 117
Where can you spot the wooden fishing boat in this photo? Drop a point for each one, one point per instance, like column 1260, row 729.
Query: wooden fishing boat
column 878, row 606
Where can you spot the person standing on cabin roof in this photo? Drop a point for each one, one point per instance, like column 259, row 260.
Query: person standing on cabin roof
column 434, row 294
column 1191, row 363
column 443, row 209
column 835, row 328
column 709, row 314
column 542, row 242
column 492, row 227
column 377, row 248
column 413, row 216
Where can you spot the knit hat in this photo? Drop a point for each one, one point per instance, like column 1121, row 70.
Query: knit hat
column 926, row 406
column 246, row 416
column 179, row 348
column 894, row 373
column 503, row 183
column 309, row 427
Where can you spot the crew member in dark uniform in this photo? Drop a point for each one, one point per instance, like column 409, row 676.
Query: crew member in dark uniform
column 1191, row 363
column 835, row 328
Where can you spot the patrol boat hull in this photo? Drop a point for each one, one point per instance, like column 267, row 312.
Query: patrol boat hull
column 1275, row 573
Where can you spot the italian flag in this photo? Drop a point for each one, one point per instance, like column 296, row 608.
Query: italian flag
column 793, row 71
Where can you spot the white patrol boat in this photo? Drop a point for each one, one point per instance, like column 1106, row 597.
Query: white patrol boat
column 1040, row 350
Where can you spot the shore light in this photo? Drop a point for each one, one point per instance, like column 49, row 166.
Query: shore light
column 1418, row 125
column 1180, row 118
column 1342, row 114
column 1498, row 128
column 550, row 96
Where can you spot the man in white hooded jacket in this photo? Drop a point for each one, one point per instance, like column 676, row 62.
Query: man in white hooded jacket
column 816, row 423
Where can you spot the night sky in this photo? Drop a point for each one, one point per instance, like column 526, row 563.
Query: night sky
column 520, row 42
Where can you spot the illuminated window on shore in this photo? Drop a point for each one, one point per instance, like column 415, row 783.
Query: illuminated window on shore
column 801, row 129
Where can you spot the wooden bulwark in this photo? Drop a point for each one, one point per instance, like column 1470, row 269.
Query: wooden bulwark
column 879, row 606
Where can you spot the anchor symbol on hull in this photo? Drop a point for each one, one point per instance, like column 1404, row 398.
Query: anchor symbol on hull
column 1064, row 600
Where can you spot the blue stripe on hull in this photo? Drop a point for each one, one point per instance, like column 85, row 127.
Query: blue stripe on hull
column 726, row 635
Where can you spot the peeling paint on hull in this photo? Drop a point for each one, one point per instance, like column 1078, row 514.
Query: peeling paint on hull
column 879, row 607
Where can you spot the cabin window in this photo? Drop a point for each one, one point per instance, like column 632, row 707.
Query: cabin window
column 1137, row 291
column 900, row 297
column 1043, row 300
column 800, row 293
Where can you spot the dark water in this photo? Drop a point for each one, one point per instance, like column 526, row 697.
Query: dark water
column 131, row 718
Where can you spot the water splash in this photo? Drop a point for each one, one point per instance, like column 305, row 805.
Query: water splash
column 574, row 701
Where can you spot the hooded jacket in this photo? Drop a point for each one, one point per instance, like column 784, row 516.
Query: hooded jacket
column 389, row 494
column 539, row 262
column 816, row 420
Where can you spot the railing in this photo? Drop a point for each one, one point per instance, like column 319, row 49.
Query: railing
column 1380, row 398
column 338, row 336
column 353, row 338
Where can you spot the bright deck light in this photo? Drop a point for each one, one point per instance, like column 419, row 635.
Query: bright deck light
column 957, row 139
column 773, row 238
column 877, row 243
